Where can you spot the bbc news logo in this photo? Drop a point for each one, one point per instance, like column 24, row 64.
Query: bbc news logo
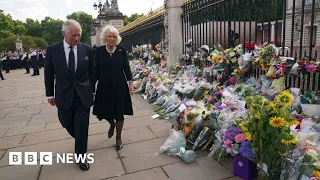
column 46, row 158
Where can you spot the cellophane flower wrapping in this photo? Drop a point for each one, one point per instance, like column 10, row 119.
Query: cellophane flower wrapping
column 175, row 146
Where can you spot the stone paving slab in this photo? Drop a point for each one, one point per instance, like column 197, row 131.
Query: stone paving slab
column 62, row 146
column 138, row 122
column 98, row 170
column 15, row 101
column 3, row 131
column 161, row 128
column 150, row 174
column 20, row 172
column 49, row 110
column 43, row 118
column 2, row 152
column 204, row 168
column 8, row 105
column 2, row 115
column 37, row 106
column 9, row 142
column 12, row 97
column 16, row 121
column 24, row 130
column 53, row 125
column 144, row 155
column 11, row 109
column 23, row 113
column 45, row 136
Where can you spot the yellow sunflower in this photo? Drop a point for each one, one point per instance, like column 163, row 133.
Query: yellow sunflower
column 273, row 106
column 316, row 174
column 257, row 116
column 293, row 122
column 285, row 98
column 276, row 122
column 290, row 141
column 248, row 136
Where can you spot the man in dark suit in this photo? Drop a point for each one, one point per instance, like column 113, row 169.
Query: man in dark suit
column 70, row 65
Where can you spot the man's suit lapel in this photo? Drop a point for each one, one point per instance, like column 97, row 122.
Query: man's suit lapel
column 80, row 54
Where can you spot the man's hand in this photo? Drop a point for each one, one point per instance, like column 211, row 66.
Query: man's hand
column 52, row 101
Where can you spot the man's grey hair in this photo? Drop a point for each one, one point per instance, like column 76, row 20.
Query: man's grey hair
column 68, row 23
column 109, row 28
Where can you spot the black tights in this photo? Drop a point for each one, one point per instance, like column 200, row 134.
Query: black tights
column 118, row 125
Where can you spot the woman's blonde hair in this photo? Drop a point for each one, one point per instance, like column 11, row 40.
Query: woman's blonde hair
column 105, row 30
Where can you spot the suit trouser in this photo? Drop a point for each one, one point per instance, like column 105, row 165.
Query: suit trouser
column 27, row 66
column 77, row 123
column 1, row 76
column 35, row 67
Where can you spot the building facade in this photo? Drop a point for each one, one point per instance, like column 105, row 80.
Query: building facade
column 109, row 15
column 302, row 30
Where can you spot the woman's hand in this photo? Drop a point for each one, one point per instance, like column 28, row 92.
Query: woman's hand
column 131, row 89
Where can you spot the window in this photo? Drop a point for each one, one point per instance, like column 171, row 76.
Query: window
column 299, row 35
column 309, row 2
column 314, row 35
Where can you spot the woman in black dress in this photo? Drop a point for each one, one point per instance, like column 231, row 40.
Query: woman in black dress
column 112, row 100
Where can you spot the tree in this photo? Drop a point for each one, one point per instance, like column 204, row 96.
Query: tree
column 40, row 42
column 33, row 28
column 51, row 30
column 5, row 33
column 86, row 21
column 132, row 18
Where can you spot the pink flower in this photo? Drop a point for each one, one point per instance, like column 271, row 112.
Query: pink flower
column 240, row 138
column 228, row 150
column 314, row 178
column 228, row 142
column 233, row 80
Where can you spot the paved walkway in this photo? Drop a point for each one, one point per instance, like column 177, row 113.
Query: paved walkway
column 29, row 124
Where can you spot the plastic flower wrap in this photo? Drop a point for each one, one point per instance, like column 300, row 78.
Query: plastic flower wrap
column 302, row 162
column 175, row 146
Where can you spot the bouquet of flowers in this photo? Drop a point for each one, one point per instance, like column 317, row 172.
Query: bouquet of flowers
column 266, row 55
column 267, row 127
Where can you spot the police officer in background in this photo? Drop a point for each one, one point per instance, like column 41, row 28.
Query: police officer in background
column 34, row 63
column 25, row 59
column 41, row 59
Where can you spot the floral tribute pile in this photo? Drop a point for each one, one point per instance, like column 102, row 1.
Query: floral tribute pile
column 212, row 105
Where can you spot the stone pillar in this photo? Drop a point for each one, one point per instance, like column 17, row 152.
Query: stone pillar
column 173, row 30
column 273, row 33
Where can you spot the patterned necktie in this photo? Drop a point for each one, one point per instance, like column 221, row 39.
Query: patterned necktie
column 71, row 60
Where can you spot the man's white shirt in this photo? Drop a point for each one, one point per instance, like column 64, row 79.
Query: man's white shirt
column 67, row 51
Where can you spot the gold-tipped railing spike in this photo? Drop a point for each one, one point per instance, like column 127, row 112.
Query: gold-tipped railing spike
column 156, row 13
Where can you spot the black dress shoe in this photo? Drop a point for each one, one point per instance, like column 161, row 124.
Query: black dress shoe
column 84, row 166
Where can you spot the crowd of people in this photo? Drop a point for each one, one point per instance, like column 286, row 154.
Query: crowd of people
column 34, row 59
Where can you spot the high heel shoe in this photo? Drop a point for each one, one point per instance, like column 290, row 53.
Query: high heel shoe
column 119, row 147
column 111, row 130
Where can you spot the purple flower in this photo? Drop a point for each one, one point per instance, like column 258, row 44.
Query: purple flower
column 218, row 94
column 246, row 151
column 231, row 133
column 298, row 117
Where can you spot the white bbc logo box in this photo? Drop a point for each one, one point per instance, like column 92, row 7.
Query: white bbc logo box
column 30, row 158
